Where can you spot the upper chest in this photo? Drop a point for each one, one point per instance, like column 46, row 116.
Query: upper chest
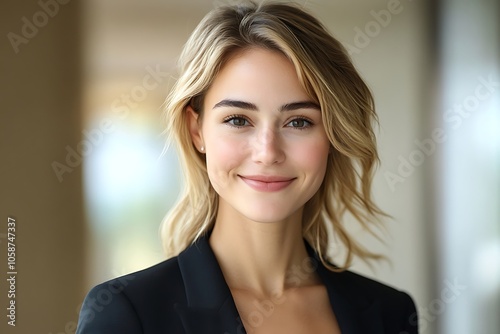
column 297, row 311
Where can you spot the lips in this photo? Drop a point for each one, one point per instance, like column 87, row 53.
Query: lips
column 267, row 183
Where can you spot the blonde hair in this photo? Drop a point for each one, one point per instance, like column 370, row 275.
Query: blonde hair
column 327, row 75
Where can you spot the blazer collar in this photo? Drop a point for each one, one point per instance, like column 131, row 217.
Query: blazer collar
column 211, row 308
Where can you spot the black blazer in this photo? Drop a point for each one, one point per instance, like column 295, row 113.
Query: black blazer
column 188, row 294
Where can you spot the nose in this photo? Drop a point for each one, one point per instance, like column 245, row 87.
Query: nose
column 267, row 147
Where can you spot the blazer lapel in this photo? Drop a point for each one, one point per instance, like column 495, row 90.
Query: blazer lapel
column 355, row 312
column 211, row 309
column 210, row 306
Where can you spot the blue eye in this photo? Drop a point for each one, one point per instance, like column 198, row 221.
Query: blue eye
column 236, row 121
column 299, row 123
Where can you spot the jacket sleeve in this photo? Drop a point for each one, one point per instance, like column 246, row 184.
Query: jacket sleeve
column 106, row 309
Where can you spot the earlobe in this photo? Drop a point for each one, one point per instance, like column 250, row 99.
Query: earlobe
column 194, row 128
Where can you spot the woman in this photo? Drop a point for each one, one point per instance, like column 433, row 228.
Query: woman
column 274, row 130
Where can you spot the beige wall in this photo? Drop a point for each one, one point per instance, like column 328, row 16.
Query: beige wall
column 40, row 115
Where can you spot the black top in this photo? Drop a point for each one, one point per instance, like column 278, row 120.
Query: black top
column 188, row 294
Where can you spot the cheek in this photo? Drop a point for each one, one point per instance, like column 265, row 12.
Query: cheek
column 313, row 157
column 223, row 157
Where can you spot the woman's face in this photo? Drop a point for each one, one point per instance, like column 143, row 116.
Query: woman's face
column 265, row 145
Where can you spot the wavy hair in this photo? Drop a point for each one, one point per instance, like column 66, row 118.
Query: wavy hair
column 327, row 74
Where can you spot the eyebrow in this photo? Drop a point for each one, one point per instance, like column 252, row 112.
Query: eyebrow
column 250, row 106
column 236, row 104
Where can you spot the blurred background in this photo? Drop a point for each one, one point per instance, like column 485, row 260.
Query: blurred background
column 82, row 86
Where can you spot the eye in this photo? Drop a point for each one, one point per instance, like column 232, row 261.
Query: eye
column 236, row 121
column 299, row 123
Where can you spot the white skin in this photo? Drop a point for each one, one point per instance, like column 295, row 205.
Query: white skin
column 257, row 237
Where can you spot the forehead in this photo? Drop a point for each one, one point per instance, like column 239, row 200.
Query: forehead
column 259, row 76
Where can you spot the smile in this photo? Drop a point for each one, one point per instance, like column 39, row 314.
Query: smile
column 266, row 183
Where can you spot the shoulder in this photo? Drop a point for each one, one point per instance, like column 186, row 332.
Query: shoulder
column 373, row 288
column 395, row 308
column 133, row 303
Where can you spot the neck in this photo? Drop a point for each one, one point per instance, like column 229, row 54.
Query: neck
column 263, row 258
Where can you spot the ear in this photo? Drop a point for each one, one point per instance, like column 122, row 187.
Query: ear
column 194, row 128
